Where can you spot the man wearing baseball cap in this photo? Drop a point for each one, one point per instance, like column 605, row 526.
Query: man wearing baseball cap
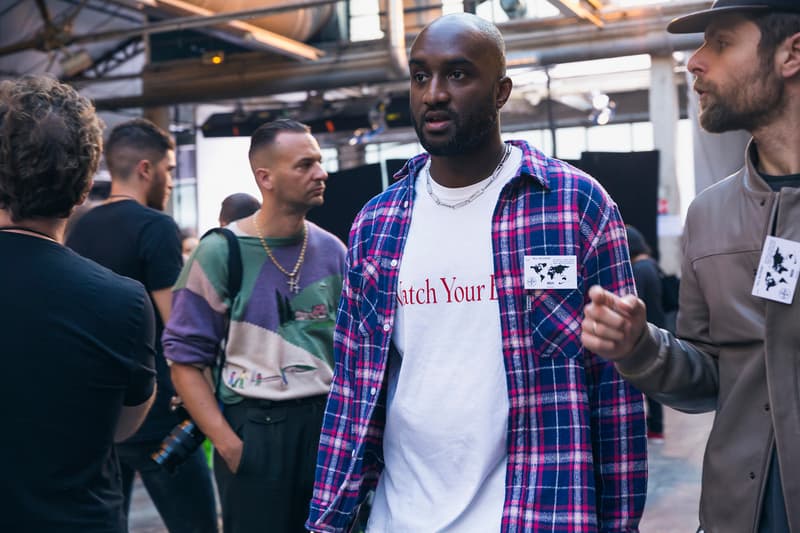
column 737, row 350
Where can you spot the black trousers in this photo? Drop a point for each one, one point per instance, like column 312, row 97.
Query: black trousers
column 655, row 416
column 272, row 488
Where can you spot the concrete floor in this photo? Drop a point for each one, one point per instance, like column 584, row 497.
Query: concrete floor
column 673, row 490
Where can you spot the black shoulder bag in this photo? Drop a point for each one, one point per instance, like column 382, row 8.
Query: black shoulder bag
column 185, row 438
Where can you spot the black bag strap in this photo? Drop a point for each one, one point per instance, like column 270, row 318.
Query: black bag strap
column 234, row 259
column 235, row 273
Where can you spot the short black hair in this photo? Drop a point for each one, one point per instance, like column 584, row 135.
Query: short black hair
column 50, row 145
column 637, row 244
column 134, row 140
column 266, row 133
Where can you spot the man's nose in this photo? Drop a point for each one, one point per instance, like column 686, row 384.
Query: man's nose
column 697, row 64
column 437, row 92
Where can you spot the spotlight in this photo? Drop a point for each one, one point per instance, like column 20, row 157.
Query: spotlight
column 603, row 109
column 603, row 116
column 215, row 57
column 600, row 100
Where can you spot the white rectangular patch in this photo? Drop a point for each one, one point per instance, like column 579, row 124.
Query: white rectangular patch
column 551, row 272
column 778, row 270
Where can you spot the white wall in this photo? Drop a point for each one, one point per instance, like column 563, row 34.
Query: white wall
column 222, row 169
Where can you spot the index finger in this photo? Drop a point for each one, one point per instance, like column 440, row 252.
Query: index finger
column 603, row 298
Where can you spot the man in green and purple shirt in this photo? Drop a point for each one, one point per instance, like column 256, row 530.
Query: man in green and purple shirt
column 279, row 331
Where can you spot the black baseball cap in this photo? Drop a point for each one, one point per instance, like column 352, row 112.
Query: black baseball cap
column 697, row 22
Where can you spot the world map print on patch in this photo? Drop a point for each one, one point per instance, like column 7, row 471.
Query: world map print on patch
column 551, row 272
column 778, row 270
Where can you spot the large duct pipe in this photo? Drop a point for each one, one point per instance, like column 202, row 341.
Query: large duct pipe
column 396, row 39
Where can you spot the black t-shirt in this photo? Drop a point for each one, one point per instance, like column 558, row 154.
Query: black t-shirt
column 143, row 244
column 777, row 183
column 77, row 343
column 773, row 507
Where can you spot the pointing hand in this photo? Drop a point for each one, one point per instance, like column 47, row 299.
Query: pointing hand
column 612, row 325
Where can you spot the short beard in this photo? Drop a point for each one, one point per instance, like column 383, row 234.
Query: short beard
column 154, row 200
column 465, row 139
column 762, row 103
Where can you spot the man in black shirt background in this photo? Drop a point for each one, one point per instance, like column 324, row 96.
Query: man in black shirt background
column 131, row 235
column 77, row 339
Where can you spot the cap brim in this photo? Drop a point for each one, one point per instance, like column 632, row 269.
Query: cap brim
column 696, row 22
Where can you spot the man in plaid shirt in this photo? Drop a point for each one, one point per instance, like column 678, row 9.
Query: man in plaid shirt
column 461, row 394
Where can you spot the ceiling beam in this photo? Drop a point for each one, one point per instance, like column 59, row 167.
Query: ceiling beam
column 576, row 8
column 109, row 60
column 268, row 39
column 280, row 45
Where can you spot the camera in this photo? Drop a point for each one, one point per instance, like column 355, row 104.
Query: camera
column 181, row 442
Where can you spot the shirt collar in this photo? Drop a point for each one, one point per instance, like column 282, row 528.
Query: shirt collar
column 534, row 165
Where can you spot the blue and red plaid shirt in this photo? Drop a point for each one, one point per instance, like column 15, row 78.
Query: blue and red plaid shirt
column 577, row 453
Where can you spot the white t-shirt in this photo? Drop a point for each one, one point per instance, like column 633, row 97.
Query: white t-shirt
column 447, row 402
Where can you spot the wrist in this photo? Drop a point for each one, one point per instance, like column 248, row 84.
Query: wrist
column 641, row 355
column 229, row 445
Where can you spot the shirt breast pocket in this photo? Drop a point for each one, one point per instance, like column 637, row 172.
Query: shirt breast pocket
column 554, row 317
column 366, row 277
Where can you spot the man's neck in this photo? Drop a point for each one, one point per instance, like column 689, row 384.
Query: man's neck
column 52, row 227
column 273, row 224
column 120, row 191
column 467, row 169
column 777, row 145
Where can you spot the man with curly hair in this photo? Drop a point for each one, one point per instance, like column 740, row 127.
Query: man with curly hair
column 77, row 338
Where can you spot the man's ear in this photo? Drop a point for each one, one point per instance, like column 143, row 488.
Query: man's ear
column 85, row 193
column 504, row 85
column 263, row 178
column 789, row 56
column 144, row 169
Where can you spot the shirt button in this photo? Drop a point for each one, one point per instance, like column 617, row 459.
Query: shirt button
column 766, row 407
column 386, row 327
column 405, row 204
column 373, row 390
column 394, row 262
column 752, row 475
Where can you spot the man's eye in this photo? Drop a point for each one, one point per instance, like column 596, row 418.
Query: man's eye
column 420, row 77
column 457, row 75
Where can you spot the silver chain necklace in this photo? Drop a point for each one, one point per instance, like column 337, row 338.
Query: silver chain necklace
column 466, row 201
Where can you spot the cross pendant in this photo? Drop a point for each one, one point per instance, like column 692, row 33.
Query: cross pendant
column 294, row 286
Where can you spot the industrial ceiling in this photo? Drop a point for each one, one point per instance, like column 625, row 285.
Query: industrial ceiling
column 306, row 55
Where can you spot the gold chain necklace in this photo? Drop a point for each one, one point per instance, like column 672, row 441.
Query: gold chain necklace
column 294, row 275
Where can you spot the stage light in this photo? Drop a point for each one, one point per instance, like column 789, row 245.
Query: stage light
column 215, row 57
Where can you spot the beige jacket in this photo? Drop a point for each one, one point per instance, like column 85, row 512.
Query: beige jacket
column 738, row 355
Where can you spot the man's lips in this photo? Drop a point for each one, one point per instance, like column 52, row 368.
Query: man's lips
column 437, row 120
column 700, row 89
